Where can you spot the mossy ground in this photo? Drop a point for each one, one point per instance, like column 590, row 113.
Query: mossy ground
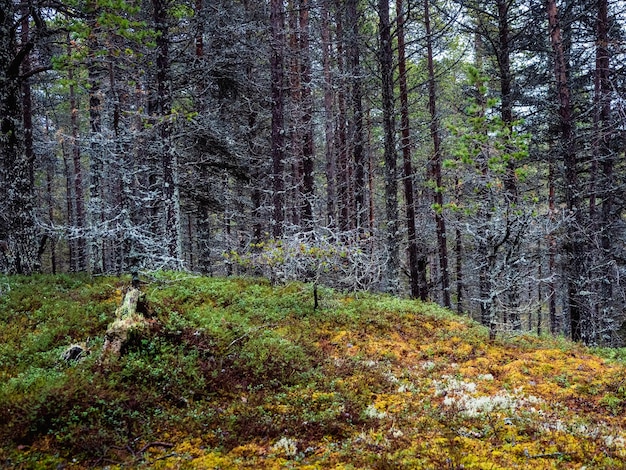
column 235, row 373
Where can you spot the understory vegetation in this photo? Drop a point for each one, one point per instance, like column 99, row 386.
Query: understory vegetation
column 237, row 373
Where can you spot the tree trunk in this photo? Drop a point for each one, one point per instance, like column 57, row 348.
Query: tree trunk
column 308, row 182
column 17, row 223
column 352, row 15
column 294, row 152
column 341, row 134
column 79, row 222
column 603, row 132
column 506, row 113
column 169, row 162
column 329, row 137
column 458, row 249
column 435, row 164
column 417, row 265
column 391, row 178
column 278, row 127
column 552, row 251
column 96, row 164
column 573, row 248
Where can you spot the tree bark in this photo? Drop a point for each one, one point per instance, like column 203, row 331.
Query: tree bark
column 573, row 248
column 435, row 164
column 169, row 162
column 417, row 264
column 277, row 21
column 329, row 137
column 17, row 223
column 79, row 222
column 308, row 181
column 96, row 207
column 341, row 133
column 354, row 53
column 385, row 56
column 506, row 113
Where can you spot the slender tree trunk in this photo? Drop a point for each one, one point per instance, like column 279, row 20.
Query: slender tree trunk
column 277, row 21
column 506, row 81
column 370, row 172
column 96, row 209
column 50, row 190
column 435, row 164
column 294, row 154
column 459, row 271
column 329, row 137
column 603, row 136
column 352, row 15
column 390, row 157
column 341, row 133
column 539, row 290
column 308, row 181
column 573, row 248
column 69, row 204
column 417, row 266
column 169, row 162
column 50, row 200
column 79, row 222
column 506, row 113
column 552, row 251
column 601, row 123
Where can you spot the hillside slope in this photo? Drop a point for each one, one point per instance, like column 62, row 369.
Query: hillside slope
column 234, row 373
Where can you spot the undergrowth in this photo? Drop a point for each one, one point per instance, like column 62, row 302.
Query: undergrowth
column 237, row 373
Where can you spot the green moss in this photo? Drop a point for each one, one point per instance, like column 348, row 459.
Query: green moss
column 237, row 373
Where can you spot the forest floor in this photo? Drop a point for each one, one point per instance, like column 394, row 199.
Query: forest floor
column 235, row 373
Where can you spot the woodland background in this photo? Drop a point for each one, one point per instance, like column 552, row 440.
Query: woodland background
column 464, row 151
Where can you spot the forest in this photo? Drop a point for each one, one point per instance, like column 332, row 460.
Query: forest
column 465, row 152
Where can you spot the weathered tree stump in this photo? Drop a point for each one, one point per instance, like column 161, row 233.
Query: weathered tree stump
column 127, row 321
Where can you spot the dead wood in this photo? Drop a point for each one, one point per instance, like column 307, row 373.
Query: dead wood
column 127, row 321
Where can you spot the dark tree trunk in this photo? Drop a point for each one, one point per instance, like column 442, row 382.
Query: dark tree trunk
column 295, row 149
column 391, row 177
column 352, row 15
column 308, row 182
column 171, row 208
column 506, row 81
column 603, row 138
column 96, row 164
column 79, row 222
column 506, row 113
column 277, row 20
column 552, row 251
column 329, row 137
column 458, row 248
column 417, row 264
column 341, row 133
column 435, row 164
column 50, row 200
column 573, row 248
column 17, row 222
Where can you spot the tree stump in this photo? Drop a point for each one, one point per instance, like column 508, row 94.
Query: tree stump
column 127, row 321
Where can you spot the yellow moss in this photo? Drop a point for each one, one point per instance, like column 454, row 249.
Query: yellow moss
column 390, row 403
column 212, row 460
column 463, row 351
column 340, row 337
column 249, row 450
column 191, row 448
column 456, row 326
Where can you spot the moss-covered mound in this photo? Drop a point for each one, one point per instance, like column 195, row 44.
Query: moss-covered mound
column 235, row 373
